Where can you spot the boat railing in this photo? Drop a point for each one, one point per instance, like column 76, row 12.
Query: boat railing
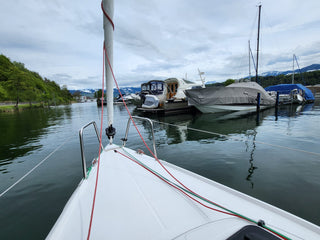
column 152, row 132
column 84, row 166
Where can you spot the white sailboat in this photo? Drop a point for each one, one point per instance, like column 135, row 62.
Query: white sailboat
column 240, row 98
column 237, row 97
column 291, row 93
column 129, row 195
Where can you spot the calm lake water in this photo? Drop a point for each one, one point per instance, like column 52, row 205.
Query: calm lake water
column 257, row 157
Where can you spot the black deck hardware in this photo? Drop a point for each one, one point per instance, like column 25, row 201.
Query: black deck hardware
column 252, row 232
column 110, row 131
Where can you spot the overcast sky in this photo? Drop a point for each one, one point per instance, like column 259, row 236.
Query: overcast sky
column 156, row 39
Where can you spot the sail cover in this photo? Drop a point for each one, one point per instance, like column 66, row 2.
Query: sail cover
column 244, row 93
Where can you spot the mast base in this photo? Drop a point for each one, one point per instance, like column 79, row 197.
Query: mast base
column 110, row 132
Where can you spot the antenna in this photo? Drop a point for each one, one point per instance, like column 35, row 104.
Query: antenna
column 202, row 78
column 249, row 61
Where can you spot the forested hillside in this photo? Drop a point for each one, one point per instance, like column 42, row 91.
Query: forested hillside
column 19, row 84
column 306, row 78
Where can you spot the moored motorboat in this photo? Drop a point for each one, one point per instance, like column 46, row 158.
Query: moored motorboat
column 125, row 98
column 101, row 101
column 166, row 96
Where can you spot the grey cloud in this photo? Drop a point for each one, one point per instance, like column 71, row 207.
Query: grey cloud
column 155, row 66
column 156, row 39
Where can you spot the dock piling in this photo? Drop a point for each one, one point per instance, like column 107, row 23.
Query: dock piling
column 258, row 102
column 277, row 99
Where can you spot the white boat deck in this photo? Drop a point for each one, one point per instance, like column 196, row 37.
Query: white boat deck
column 132, row 203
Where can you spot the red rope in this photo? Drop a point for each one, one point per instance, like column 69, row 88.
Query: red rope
column 107, row 16
column 98, row 167
column 143, row 138
column 116, row 83
column 172, row 185
column 192, row 198
column 107, row 57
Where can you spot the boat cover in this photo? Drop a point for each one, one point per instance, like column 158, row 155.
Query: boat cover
column 234, row 94
column 150, row 101
column 287, row 88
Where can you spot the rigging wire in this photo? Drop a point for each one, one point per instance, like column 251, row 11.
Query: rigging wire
column 35, row 167
column 253, row 25
column 301, row 75
column 239, row 139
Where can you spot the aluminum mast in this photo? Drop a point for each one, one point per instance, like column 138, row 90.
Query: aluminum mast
column 108, row 8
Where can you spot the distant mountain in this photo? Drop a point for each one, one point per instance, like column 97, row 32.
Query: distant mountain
column 126, row 90
column 129, row 90
column 90, row 92
column 313, row 67
column 211, row 82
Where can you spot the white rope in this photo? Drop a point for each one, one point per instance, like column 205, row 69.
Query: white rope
column 238, row 139
column 28, row 173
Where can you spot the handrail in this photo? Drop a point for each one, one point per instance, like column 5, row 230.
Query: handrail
column 84, row 167
column 152, row 131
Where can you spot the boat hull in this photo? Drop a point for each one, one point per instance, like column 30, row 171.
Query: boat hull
column 243, row 109
column 132, row 203
column 169, row 108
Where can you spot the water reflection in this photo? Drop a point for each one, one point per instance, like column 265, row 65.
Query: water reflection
column 211, row 129
column 252, row 167
column 202, row 127
column 20, row 132
column 292, row 110
column 274, row 175
column 207, row 128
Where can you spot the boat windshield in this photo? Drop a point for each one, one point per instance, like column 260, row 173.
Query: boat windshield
column 156, row 87
column 143, row 87
column 153, row 87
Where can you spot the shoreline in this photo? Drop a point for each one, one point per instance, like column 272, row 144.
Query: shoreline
column 10, row 108
column 13, row 108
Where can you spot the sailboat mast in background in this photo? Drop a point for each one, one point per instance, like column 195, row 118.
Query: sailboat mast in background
column 257, row 79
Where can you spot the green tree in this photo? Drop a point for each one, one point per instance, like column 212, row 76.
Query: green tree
column 3, row 94
column 228, row 82
column 76, row 95
column 98, row 94
column 15, row 86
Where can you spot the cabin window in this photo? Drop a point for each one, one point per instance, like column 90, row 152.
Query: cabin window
column 153, row 87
